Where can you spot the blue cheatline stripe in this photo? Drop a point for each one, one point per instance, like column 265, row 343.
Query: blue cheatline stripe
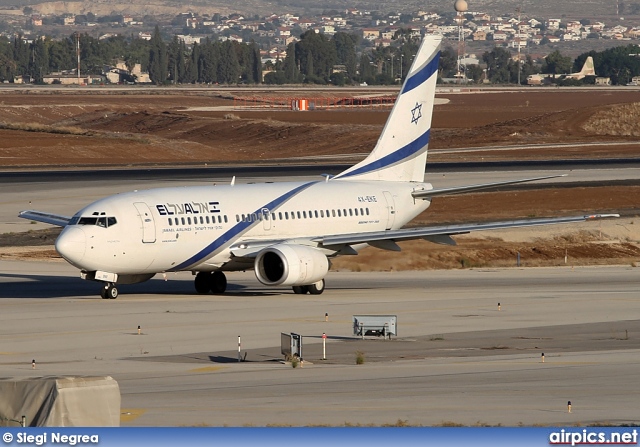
column 241, row 227
column 422, row 75
column 401, row 155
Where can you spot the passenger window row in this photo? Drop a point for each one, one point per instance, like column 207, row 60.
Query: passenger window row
column 293, row 215
column 201, row 220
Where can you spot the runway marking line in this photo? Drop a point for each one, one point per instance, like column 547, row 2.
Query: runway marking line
column 207, row 369
column 131, row 414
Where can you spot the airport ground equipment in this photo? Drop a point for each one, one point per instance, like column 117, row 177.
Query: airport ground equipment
column 378, row 325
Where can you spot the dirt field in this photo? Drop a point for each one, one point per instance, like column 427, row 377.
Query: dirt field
column 148, row 129
column 39, row 130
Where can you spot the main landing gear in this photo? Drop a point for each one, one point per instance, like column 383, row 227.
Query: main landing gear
column 109, row 291
column 214, row 282
column 314, row 289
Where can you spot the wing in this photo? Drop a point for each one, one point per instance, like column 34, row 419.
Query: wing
column 49, row 218
column 428, row 193
column 440, row 234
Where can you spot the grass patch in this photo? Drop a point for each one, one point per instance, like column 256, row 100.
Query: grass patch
column 619, row 120
column 70, row 130
column 359, row 358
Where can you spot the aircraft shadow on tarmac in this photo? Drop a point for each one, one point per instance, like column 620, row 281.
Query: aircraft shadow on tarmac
column 48, row 286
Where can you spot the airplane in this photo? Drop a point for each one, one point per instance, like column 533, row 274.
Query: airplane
column 588, row 69
column 287, row 232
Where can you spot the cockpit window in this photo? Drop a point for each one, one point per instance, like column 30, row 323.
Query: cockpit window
column 101, row 221
column 88, row 221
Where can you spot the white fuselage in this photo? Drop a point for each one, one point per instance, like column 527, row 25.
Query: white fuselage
column 196, row 228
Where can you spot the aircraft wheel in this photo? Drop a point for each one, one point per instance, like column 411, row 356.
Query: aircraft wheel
column 202, row 282
column 103, row 292
column 316, row 288
column 299, row 290
column 111, row 291
column 218, row 282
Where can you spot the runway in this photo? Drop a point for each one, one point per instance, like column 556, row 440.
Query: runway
column 457, row 358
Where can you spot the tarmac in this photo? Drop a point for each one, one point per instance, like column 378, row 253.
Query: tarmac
column 459, row 357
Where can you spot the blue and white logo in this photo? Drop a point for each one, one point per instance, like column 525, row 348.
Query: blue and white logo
column 416, row 113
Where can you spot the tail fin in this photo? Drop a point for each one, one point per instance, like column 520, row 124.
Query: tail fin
column 588, row 69
column 401, row 151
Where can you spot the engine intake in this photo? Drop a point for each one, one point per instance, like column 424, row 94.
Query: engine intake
column 290, row 265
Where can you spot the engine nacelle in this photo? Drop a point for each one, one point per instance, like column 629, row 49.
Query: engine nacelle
column 290, row 265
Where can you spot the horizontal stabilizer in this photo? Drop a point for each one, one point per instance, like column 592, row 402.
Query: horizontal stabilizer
column 428, row 193
column 429, row 232
column 48, row 218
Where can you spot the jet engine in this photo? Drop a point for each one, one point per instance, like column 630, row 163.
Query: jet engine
column 290, row 265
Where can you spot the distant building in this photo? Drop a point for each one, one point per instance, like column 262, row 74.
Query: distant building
column 72, row 79
column 370, row 33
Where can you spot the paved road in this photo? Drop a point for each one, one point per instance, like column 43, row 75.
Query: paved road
column 457, row 357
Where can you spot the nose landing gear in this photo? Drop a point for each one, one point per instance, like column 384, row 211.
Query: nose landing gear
column 109, row 291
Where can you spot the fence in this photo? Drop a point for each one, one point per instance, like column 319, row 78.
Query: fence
column 319, row 103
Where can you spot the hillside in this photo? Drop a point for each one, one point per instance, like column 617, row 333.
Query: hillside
column 541, row 8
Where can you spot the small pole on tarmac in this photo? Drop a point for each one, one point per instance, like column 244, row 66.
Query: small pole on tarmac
column 239, row 348
column 324, row 346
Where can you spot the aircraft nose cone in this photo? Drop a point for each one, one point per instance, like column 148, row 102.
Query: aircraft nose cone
column 71, row 244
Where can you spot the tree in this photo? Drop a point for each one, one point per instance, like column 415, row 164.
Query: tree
column 291, row 70
column 499, row 65
column 556, row 63
column 448, row 63
column 320, row 51
column 39, row 62
column 346, row 52
column 228, row 67
column 475, row 72
column 177, row 63
column 158, row 69
column 366, row 70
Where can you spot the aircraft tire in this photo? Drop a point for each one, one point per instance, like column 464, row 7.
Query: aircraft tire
column 218, row 283
column 202, row 282
column 103, row 292
column 111, row 291
column 299, row 290
column 316, row 288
